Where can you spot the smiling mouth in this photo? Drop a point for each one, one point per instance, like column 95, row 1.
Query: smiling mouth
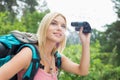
column 57, row 34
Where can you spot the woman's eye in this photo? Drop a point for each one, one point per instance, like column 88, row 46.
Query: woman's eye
column 53, row 23
column 63, row 26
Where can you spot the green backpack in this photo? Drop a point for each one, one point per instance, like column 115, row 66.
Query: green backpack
column 12, row 43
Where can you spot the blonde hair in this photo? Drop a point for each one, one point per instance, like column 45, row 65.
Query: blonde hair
column 41, row 33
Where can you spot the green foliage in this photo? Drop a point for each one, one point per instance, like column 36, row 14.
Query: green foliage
column 96, row 35
column 73, row 50
column 101, row 67
column 30, row 4
column 111, row 73
column 32, row 20
column 6, row 26
column 28, row 23
column 7, row 6
column 19, row 7
column 117, row 7
column 111, row 38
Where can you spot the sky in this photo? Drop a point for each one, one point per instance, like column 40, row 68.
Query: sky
column 97, row 12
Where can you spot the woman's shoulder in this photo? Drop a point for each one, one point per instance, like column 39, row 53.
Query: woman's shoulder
column 27, row 50
column 25, row 54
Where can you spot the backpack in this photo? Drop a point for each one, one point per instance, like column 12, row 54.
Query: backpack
column 12, row 43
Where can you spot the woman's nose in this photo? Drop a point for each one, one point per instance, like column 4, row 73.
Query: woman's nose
column 59, row 27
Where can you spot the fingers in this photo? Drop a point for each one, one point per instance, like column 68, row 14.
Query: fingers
column 81, row 30
column 84, row 34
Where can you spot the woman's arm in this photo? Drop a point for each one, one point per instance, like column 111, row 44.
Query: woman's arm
column 20, row 61
column 83, row 67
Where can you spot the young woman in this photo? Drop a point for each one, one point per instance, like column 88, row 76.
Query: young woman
column 51, row 38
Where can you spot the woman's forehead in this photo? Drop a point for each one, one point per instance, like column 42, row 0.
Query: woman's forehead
column 59, row 19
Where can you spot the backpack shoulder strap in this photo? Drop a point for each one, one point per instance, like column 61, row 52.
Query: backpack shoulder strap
column 58, row 59
column 34, row 65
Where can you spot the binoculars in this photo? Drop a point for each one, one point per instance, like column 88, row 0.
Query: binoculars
column 86, row 26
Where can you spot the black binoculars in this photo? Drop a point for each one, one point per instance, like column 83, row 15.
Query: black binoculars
column 86, row 26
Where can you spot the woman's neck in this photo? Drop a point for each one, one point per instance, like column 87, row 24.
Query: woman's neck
column 48, row 48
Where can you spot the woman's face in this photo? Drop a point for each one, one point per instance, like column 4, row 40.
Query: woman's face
column 56, row 29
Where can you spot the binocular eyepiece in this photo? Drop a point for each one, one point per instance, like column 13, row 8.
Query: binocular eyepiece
column 86, row 26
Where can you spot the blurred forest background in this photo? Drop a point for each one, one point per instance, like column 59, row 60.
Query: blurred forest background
column 25, row 15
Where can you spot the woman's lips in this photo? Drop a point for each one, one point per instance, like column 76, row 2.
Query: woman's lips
column 58, row 34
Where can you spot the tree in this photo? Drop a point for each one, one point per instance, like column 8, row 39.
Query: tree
column 32, row 20
column 112, row 38
column 117, row 7
column 7, row 6
column 6, row 26
column 18, row 7
column 111, row 35
column 96, row 35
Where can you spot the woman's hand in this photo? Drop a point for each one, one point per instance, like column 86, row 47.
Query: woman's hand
column 84, row 37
